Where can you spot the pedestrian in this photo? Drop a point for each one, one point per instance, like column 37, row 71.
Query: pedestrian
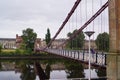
column 93, row 52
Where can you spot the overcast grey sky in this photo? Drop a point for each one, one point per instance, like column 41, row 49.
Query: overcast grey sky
column 17, row 15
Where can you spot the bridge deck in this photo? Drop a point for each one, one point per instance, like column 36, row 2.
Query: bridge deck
column 97, row 59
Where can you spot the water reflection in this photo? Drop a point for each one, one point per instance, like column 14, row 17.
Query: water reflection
column 32, row 70
column 27, row 72
column 101, row 72
column 74, row 70
column 0, row 65
column 47, row 71
column 39, row 71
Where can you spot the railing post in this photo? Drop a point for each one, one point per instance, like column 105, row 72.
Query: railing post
column 74, row 54
column 96, row 57
column 65, row 52
column 78, row 54
column 68, row 52
column 83, row 55
column 62, row 52
column 102, row 58
column 71, row 53
column 105, row 59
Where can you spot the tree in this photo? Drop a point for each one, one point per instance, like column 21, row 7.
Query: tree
column 77, row 42
column 48, row 36
column 102, row 41
column 0, row 48
column 29, row 37
column 74, row 69
column 101, row 72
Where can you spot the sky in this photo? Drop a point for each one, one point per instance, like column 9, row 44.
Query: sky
column 18, row 15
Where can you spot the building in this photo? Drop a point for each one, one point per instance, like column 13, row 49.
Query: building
column 92, row 44
column 43, row 43
column 19, row 41
column 8, row 43
column 37, row 44
column 58, row 42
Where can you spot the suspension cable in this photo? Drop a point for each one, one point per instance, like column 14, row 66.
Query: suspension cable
column 87, row 23
column 65, row 21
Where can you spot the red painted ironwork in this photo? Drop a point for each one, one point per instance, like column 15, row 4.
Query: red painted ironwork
column 65, row 21
column 87, row 23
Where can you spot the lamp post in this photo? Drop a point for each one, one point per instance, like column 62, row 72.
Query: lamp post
column 89, row 33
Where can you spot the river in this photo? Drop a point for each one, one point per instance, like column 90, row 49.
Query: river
column 51, row 69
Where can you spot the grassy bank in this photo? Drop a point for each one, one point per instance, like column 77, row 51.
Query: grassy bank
column 10, row 52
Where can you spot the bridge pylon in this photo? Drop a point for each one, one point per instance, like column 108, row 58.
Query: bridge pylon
column 113, row 58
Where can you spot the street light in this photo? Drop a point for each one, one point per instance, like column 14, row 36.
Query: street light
column 89, row 33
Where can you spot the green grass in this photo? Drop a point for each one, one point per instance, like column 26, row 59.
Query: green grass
column 8, row 50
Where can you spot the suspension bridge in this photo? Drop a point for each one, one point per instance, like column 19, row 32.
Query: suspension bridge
column 81, row 19
column 100, row 16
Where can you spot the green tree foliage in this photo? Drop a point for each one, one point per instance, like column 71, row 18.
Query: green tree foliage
column 29, row 37
column 0, row 48
column 26, row 72
column 77, row 42
column 0, row 65
column 101, row 72
column 47, row 71
column 74, row 70
column 102, row 41
column 48, row 36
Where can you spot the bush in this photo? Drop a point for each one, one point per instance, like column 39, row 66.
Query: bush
column 17, row 51
column 0, row 48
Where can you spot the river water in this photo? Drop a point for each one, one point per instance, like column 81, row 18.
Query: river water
column 51, row 69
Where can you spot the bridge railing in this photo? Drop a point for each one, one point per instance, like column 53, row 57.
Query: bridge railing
column 98, row 58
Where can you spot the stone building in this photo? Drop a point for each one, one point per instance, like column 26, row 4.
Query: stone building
column 57, row 42
column 8, row 43
column 19, row 41
column 92, row 44
column 43, row 43
column 37, row 44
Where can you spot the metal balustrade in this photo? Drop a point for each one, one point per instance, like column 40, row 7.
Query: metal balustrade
column 99, row 58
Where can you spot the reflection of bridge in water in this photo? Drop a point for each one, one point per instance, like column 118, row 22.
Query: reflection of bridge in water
column 97, row 20
column 5, row 66
column 98, row 59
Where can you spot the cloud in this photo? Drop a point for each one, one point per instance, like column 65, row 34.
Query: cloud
column 17, row 15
